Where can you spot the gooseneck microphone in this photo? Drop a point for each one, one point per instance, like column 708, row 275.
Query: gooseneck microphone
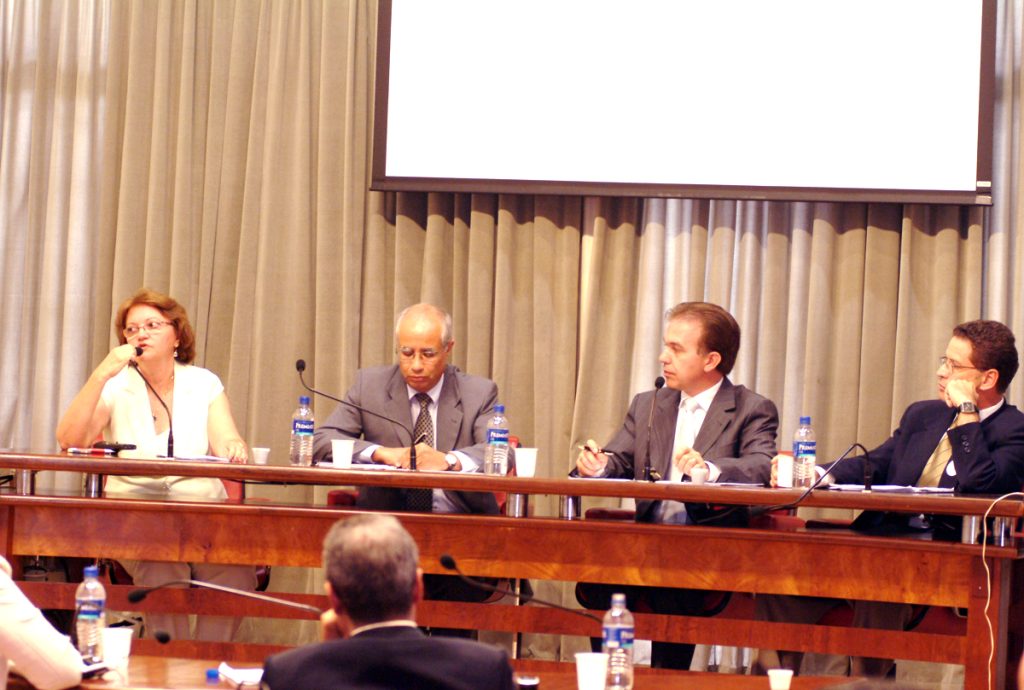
column 448, row 563
column 170, row 425
column 137, row 595
column 649, row 474
column 300, row 366
column 817, row 482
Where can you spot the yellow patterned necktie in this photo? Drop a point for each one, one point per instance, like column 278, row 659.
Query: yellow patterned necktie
column 932, row 472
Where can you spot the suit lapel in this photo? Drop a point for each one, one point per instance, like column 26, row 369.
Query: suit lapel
column 663, row 432
column 397, row 406
column 718, row 416
column 449, row 412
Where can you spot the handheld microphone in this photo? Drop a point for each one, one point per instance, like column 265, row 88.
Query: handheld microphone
column 138, row 351
column 761, row 510
column 448, row 563
column 137, row 595
column 649, row 475
column 300, row 366
column 170, row 424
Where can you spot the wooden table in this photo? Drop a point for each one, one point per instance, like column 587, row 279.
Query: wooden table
column 827, row 563
column 170, row 673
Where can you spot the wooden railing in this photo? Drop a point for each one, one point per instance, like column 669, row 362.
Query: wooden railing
column 837, row 564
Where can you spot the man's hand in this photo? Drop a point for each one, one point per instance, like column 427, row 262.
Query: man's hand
column 396, row 457
column 591, row 461
column 774, row 481
column 687, row 459
column 959, row 391
column 329, row 628
column 429, row 459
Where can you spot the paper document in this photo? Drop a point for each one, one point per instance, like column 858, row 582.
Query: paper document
column 892, row 488
column 240, row 676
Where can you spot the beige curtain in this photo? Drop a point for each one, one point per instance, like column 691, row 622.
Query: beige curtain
column 219, row 149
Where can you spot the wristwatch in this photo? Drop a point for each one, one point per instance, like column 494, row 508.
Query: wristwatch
column 967, row 408
column 451, row 460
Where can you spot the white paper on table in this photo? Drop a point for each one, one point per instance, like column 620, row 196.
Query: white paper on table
column 240, row 676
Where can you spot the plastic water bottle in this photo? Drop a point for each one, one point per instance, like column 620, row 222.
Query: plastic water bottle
column 496, row 453
column 618, row 644
column 90, row 601
column 805, row 454
column 300, row 450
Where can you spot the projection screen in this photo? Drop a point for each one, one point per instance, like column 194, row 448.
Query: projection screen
column 866, row 100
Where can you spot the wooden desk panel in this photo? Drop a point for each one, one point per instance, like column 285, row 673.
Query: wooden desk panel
column 822, row 563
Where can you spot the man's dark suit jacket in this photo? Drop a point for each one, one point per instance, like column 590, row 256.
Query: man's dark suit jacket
column 464, row 407
column 988, row 456
column 738, row 436
column 388, row 659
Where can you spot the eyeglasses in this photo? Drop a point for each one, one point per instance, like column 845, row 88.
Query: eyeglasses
column 945, row 363
column 427, row 355
column 151, row 326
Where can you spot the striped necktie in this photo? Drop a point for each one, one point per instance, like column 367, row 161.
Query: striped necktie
column 936, row 465
column 422, row 500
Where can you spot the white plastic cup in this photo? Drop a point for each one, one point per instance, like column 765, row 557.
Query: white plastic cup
column 526, row 462
column 780, row 678
column 784, row 472
column 699, row 475
column 260, row 456
column 117, row 646
column 341, row 451
column 591, row 670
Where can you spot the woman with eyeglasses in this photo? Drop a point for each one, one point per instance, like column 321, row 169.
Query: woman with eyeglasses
column 147, row 392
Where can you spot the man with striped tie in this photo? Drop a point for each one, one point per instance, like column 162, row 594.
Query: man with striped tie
column 422, row 397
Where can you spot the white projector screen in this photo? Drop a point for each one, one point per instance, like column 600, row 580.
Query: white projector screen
column 868, row 100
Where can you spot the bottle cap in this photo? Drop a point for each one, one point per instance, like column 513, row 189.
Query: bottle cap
column 212, row 675
column 499, row 408
column 91, row 571
column 303, row 400
column 805, row 421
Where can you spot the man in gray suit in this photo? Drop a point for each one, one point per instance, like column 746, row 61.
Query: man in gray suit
column 703, row 422
column 444, row 409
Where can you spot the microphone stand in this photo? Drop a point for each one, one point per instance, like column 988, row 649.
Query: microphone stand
column 300, row 366
column 754, row 512
column 649, row 475
column 137, row 595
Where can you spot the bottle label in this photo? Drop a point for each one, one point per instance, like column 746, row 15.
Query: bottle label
column 804, row 448
column 302, row 426
column 497, row 436
column 90, row 611
column 617, row 637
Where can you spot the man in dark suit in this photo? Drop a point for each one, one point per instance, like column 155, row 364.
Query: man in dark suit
column 446, row 410
column 702, row 422
column 969, row 439
column 370, row 636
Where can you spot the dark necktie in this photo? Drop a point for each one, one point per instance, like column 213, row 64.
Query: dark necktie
column 422, row 500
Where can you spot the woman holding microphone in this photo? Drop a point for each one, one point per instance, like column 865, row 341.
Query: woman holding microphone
column 147, row 392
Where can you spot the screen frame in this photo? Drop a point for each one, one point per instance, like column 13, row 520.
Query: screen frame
column 981, row 195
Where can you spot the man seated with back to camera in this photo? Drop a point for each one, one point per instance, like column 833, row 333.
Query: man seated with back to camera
column 371, row 641
column 970, row 440
column 445, row 408
column 702, row 421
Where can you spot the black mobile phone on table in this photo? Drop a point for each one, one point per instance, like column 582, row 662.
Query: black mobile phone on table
column 116, row 447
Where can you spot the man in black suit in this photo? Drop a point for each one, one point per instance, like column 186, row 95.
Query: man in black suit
column 969, row 439
column 702, row 421
column 371, row 640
